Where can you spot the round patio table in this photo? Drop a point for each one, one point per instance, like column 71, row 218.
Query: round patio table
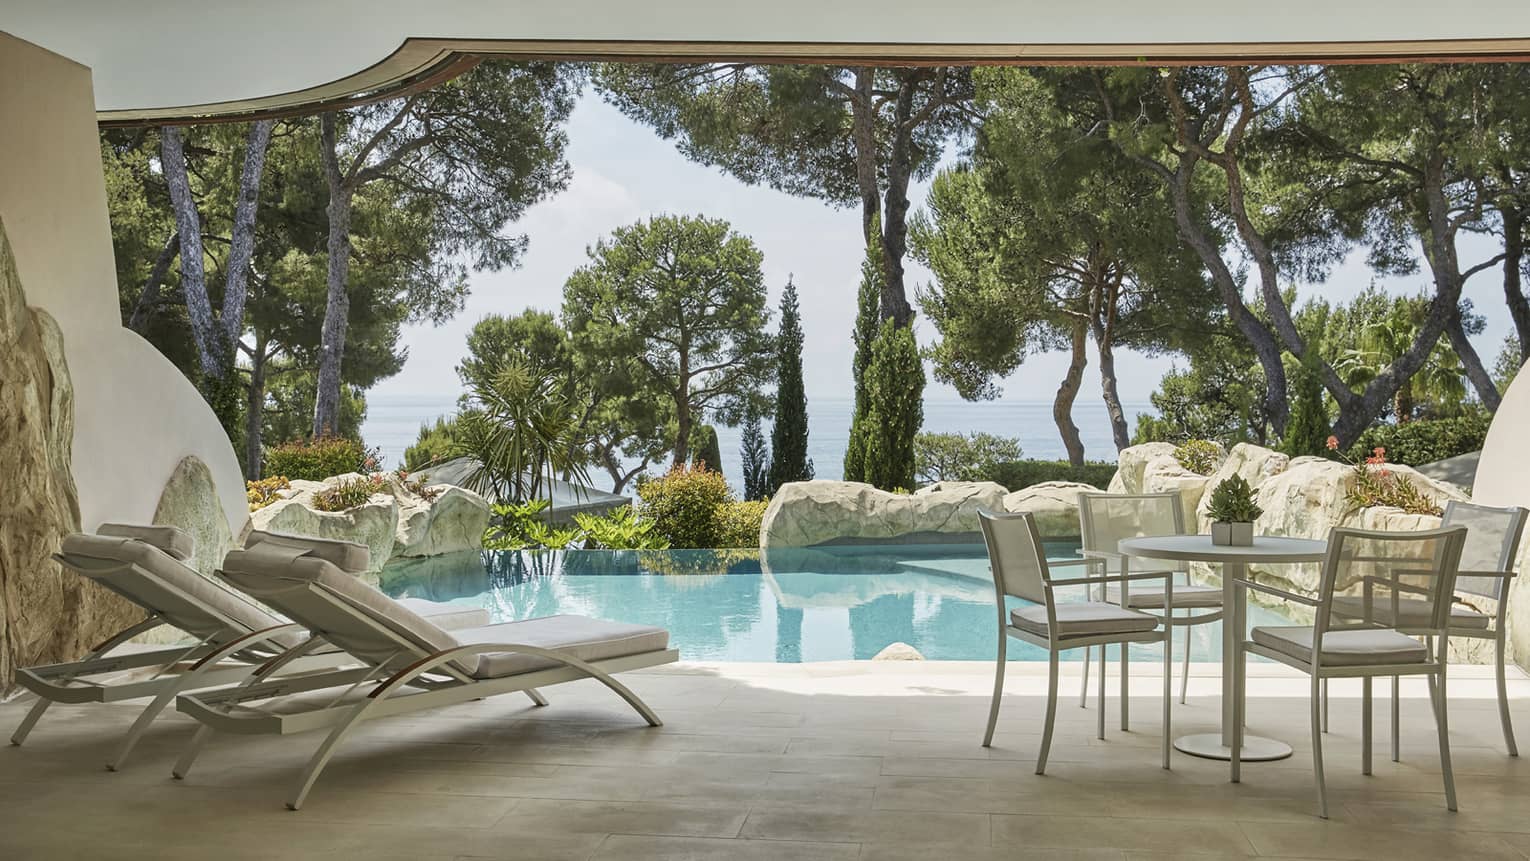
column 1234, row 562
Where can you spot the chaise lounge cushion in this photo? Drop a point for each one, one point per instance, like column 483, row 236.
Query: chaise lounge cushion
column 348, row 556
column 1413, row 611
column 1343, row 648
column 176, row 542
column 579, row 636
column 1083, row 619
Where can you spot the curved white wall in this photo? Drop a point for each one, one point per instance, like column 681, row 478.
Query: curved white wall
column 135, row 414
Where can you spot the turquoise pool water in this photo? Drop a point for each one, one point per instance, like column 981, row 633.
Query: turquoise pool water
column 789, row 606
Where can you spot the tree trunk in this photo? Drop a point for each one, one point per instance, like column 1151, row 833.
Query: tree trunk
column 1112, row 395
column 895, row 304
column 863, row 133
column 241, row 248
column 1402, row 403
column 1480, row 379
column 683, row 418
column 193, row 274
column 1513, row 286
column 1062, row 405
column 337, row 308
column 148, row 299
column 254, row 413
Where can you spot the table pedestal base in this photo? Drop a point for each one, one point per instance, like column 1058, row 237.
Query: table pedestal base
column 1208, row 745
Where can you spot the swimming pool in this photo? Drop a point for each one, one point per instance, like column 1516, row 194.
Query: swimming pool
column 787, row 606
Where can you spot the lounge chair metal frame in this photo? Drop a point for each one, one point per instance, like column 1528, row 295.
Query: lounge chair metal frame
column 430, row 679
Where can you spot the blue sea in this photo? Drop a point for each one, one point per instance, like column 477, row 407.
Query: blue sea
column 393, row 423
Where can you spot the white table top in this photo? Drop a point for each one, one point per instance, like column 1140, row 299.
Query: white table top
column 1198, row 548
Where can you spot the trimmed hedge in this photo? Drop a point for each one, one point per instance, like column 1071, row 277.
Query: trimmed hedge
column 1018, row 474
column 318, row 459
column 1424, row 440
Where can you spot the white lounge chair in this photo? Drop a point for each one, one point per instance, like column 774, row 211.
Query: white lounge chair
column 232, row 636
column 411, row 663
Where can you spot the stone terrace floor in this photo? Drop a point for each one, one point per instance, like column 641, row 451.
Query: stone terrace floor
column 871, row 761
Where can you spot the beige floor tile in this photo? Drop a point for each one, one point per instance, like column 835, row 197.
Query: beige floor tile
column 625, row 847
column 1104, row 832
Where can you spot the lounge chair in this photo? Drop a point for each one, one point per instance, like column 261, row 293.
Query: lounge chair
column 411, row 664
column 232, row 636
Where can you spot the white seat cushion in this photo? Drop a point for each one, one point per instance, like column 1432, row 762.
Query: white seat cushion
column 1413, row 611
column 580, row 636
column 1149, row 595
column 1084, row 618
column 1345, row 648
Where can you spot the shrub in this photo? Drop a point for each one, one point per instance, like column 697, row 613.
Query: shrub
column 416, row 486
column 622, row 529
column 319, row 458
column 1424, row 440
column 961, row 457
column 1232, row 501
column 1200, row 456
column 431, row 447
column 1375, row 485
column 265, row 491
column 347, row 494
column 683, row 505
column 738, row 523
column 519, row 526
column 1019, row 474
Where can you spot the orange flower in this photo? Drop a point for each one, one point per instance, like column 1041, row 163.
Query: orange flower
column 1333, row 443
column 1379, row 451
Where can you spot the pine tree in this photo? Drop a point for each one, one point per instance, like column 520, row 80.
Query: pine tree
column 894, row 409
column 754, row 457
column 1307, row 430
column 867, row 316
column 789, row 434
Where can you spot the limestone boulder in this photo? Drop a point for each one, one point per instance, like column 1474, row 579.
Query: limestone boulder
column 190, row 502
column 1164, row 474
column 1132, row 462
column 450, row 521
column 807, row 513
column 373, row 523
column 1053, row 503
column 899, row 652
column 1255, row 463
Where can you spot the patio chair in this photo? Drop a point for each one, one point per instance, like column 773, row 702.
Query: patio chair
column 1021, row 570
column 411, row 664
column 1487, row 566
column 1421, row 566
column 232, row 636
column 1105, row 519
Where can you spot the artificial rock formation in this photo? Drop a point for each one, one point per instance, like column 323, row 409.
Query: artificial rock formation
column 807, row 513
column 1132, row 462
column 451, row 522
column 190, row 502
column 1054, row 504
column 47, row 614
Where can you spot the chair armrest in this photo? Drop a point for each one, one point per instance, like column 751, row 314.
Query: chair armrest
column 1114, row 578
column 1103, row 554
column 1279, row 593
column 1394, row 586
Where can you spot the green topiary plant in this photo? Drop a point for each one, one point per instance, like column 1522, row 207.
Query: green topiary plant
column 1232, row 501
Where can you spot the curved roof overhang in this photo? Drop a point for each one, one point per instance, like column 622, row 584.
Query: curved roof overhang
column 157, row 61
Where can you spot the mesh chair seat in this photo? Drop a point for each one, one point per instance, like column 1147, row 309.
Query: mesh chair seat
column 1150, row 596
column 1412, row 612
column 1083, row 619
column 1357, row 647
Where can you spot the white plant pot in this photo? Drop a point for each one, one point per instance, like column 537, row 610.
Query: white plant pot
column 1225, row 534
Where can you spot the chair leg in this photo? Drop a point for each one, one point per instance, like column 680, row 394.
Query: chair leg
column 1083, row 688
column 1046, row 733
column 1365, row 725
column 1397, row 718
column 998, row 691
column 1125, row 693
column 1503, row 703
column 1100, row 694
column 193, row 749
column 1168, row 690
column 536, row 697
column 141, row 725
column 1317, row 749
column 1184, row 679
column 1325, row 705
column 1442, row 728
column 36, row 712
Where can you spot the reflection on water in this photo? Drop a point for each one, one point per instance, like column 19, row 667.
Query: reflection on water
column 787, row 606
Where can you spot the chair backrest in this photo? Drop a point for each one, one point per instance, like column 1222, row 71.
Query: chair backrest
column 1015, row 555
column 1420, row 565
column 1106, row 518
column 1492, row 544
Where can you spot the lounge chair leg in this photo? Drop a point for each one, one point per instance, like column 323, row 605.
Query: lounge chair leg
column 141, row 725
column 1503, row 703
column 36, row 712
column 1184, row 679
column 1125, row 693
column 189, row 755
column 1317, row 747
column 1397, row 718
column 536, row 696
column 1046, row 732
column 322, row 755
column 998, row 690
column 1365, row 725
column 1442, row 729
column 1083, row 688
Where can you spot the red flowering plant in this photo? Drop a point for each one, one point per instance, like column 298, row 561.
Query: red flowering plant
column 1377, row 485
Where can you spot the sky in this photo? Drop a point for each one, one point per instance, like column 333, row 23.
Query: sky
column 623, row 172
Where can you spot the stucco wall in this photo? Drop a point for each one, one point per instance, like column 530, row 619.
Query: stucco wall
column 1503, row 478
column 136, row 416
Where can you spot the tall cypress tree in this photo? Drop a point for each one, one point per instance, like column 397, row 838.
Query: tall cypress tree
column 754, row 457
column 867, row 315
column 1307, row 429
column 894, row 408
column 705, row 450
column 789, row 434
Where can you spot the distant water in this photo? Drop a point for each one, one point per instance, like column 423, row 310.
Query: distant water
column 393, row 423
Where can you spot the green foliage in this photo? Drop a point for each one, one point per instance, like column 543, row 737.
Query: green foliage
column 622, row 529
column 1200, row 456
column 432, row 446
column 1232, row 501
column 789, row 433
column 1019, row 474
column 521, row 526
column 1220, row 396
column 1425, row 440
column 265, row 491
column 754, row 458
column 1375, row 485
column 894, row 409
column 961, row 457
column 348, row 493
column 1307, row 428
column 1506, row 366
column 1377, row 329
column 868, row 302
column 684, row 506
column 705, row 450
column 519, row 433
column 318, row 459
column 738, row 522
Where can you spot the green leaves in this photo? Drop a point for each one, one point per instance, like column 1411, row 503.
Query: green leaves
column 894, row 408
column 789, row 433
column 962, row 457
column 1232, row 501
column 520, row 433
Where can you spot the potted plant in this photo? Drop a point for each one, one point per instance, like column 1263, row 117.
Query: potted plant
column 1233, row 512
